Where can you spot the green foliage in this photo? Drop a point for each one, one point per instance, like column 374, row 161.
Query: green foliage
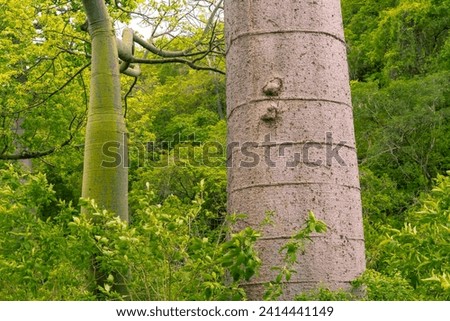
column 166, row 252
column 37, row 260
column 183, row 182
column 324, row 294
column 419, row 251
column 401, row 129
column 178, row 244
column 371, row 286
column 380, row 195
column 183, row 105
column 398, row 52
column 291, row 250
column 380, row 287
column 41, row 84
column 185, row 261
column 178, row 138
column 162, row 255
column 394, row 39
column 361, row 19
column 64, row 171
column 179, row 172
column 240, row 256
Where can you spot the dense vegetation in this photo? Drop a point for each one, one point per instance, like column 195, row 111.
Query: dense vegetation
column 175, row 247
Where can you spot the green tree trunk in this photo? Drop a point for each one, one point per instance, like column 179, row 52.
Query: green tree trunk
column 290, row 137
column 105, row 176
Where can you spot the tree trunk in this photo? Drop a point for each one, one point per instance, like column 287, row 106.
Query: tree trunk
column 105, row 176
column 290, row 137
column 26, row 162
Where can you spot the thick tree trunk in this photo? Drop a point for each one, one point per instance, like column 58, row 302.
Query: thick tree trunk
column 105, row 176
column 290, row 136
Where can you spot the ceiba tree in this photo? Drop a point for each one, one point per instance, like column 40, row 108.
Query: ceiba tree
column 290, row 137
column 105, row 175
column 47, row 51
column 104, row 182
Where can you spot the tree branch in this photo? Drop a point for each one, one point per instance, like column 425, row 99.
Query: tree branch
column 176, row 60
column 125, row 98
column 37, row 154
column 57, row 90
column 210, row 24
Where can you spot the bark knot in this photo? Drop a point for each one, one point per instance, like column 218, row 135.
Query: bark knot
column 271, row 114
column 273, row 87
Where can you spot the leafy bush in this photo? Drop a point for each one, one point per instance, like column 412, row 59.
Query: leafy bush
column 371, row 286
column 324, row 294
column 174, row 258
column 419, row 251
column 290, row 251
column 164, row 254
column 178, row 171
column 380, row 195
column 37, row 260
column 407, row 261
column 379, row 287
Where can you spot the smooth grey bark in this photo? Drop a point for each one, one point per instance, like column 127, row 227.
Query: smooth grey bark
column 291, row 138
column 25, row 162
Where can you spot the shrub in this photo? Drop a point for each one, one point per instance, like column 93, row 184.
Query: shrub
column 419, row 251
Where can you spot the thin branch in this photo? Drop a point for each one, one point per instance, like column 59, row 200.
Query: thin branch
column 125, row 98
column 38, row 154
column 164, row 53
column 59, row 89
column 77, row 53
column 116, row 4
column 177, row 60
column 210, row 25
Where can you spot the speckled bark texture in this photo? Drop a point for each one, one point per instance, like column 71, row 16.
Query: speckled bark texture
column 290, row 136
